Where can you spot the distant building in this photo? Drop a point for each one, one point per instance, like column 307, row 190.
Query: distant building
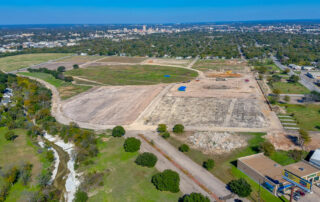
column 315, row 158
column 314, row 74
column 144, row 28
column 308, row 68
column 295, row 67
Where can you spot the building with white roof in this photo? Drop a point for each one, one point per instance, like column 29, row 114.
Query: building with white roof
column 315, row 158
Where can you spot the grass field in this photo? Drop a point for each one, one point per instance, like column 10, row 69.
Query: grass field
column 16, row 62
column 225, row 165
column 133, row 75
column 123, row 59
column 123, row 180
column 220, row 65
column 290, row 88
column 80, row 59
column 65, row 89
column 307, row 116
column 21, row 150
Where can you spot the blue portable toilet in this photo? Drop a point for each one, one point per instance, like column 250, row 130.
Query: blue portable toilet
column 182, row 88
column 167, row 76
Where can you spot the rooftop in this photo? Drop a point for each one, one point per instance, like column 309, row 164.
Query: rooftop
column 301, row 168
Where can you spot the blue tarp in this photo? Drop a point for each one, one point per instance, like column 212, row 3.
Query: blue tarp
column 167, row 76
column 182, row 88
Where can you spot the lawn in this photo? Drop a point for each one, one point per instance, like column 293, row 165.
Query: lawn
column 133, row 75
column 123, row 180
column 220, row 65
column 19, row 151
column 225, row 165
column 290, row 88
column 66, row 89
column 123, row 59
column 16, row 62
column 307, row 116
column 78, row 59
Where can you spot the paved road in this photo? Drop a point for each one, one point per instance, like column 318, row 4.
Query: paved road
column 304, row 80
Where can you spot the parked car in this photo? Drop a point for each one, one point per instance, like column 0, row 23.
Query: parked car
column 318, row 184
column 301, row 193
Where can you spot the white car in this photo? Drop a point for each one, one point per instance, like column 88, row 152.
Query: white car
column 318, row 184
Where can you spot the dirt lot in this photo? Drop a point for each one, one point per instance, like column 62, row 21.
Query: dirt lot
column 123, row 59
column 55, row 65
column 167, row 62
column 234, row 65
column 116, row 105
column 80, row 59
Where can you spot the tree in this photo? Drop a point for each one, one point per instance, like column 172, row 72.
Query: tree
column 209, row 164
column 194, row 197
column 75, row 66
column 178, row 128
column 10, row 135
column 276, row 91
column 165, row 135
column 286, row 71
column 146, row 159
column 168, row 180
column 287, row 98
column 61, row 69
column 81, row 196
column 240, row 187
column 162, row 128
column 50, row 155
column 267, row 148
column 294, row 78
column 184, row 148
column 131, row 144
column 118, row 131
column 304, row 138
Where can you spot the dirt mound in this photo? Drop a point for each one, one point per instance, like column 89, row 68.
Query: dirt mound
column 223, row 75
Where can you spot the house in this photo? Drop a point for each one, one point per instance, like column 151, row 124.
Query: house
column 6, row 98
column 307, row 68
column 295, row 67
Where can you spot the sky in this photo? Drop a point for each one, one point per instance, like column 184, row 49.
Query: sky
column 153, row 11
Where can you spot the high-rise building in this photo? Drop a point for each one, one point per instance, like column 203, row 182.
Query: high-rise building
column 144, row 28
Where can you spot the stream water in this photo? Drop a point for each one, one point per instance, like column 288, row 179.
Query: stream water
column 64, row 171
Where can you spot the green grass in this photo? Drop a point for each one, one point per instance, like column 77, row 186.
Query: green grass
column 133, row 75
column 123, row 179
column 21, row 150
column 290, row 88
column 225, row 165
column 282, row 158
column 66, row 89
column 307, row 116
column 16, row 62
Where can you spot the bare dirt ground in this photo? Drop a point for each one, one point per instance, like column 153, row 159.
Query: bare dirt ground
column 118, row 59
column 110, row 105
column 168, row 61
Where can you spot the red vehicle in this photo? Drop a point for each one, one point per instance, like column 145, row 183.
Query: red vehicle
column 301, row 193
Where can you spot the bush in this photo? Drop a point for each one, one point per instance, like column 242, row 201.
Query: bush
column 10, row 136
column 61, row 69
column 131, row 144
column 184, row 148
column 50, row 156
column 75, row 66
column 194, row 197
column 165, row 135
column 162, row 128
column 118, row 131
column 81, row 196
column 178, row 128
column 240, row 187
column 296, row 155
column 267, row 148
column 146, row 159
column 168, row 180
column 209, row 164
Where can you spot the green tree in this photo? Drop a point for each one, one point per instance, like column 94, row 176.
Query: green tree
column 10, row 135
column 184, row 148
column 146, row 159
column 267, row 148
column 294, row 78
column 287, row 98
column 118, row 131
column 194, row 197
column 178, row 128
column 61, row 69
column 165, row 135
column 168, row 180
column 81, row 196
column 240, row 187
column 209, row 164
column 162, row 128
column 131, row 144
column 50, row 155
column 75, row 66
column 304, row 138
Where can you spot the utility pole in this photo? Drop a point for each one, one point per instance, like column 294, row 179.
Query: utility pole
column 292, row 190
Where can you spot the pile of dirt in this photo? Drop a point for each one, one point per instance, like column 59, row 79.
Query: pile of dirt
column 217, row 142
column 223, row 75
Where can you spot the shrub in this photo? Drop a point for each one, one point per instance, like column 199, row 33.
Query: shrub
column 81, row 196
column 146, row 159
column 168, row 180
column 165, row 135
column 267, row 148
column 209, row 164
column 131, row 144
column 118, row 131
column 178, row 128
column 194, row 197
column 75, row 66
column 162, row 128
column 184, row 148
column 296, row 155
column 240, row 187
column 61, row 69
column 50, row 156
column 10, row 136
